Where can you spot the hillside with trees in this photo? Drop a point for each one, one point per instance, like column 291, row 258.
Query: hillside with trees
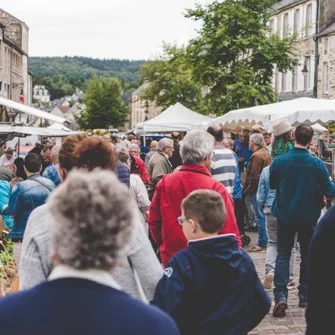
column 61, row 75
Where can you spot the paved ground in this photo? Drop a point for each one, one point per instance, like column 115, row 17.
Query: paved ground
column 294, row 322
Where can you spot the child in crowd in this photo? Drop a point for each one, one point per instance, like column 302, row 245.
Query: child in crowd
column 212, row 287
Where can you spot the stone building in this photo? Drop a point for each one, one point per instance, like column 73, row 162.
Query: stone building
column 326, row 50
column 41, row 94
column 313, row 22
column 142, row 110
column 15, row 79
column 297, row 17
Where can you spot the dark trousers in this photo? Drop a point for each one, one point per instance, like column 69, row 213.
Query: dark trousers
column 240, row 212
column 285, row 243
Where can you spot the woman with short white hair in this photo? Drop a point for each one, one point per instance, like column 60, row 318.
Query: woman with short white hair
column 93, row 223
column 196, row 152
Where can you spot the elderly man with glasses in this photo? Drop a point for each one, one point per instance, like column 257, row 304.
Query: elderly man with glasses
column 159, row 164
column 196, row 153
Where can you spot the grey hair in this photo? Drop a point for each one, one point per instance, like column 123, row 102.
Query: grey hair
column 55, row 150
column 164, row 142
column 196, row 146
column 257, row 139
column 121, row 147
column 94, row 216
column 134, row 146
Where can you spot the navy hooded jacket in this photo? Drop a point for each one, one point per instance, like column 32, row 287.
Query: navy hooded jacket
column 213, row 288
column 123, row 173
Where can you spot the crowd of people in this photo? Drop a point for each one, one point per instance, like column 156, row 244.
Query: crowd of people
column 105, row 231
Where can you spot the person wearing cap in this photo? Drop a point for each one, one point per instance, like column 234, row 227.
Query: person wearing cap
column 7, row 158
column 301, row 181
column 283, row 141
column 153, row 150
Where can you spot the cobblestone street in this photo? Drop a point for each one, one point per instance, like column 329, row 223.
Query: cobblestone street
column 294, row 322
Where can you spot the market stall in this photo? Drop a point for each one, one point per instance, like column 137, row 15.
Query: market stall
column 175, row 118
column 270, row 114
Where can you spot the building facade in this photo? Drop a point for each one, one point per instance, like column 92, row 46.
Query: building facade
column 142, row 110
column 313, row 23
column 299, row 18
column 15, row 80
column 41, row 94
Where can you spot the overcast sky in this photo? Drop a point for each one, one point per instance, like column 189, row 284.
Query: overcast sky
column 127, row 29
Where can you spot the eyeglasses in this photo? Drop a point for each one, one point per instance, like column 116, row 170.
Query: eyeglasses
column 181, row 220
column 169, row 147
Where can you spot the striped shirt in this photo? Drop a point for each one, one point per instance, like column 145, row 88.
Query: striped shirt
column 224, row 167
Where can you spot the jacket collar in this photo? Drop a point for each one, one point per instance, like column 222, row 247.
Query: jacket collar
column 196, row 169
column 99, row 276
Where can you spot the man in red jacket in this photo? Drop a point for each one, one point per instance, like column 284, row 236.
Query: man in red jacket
column 196, row 152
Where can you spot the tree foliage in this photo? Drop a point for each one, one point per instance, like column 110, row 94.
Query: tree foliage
column 232, row 58
column 104, row 106
column 171, row 80
column 61, row 75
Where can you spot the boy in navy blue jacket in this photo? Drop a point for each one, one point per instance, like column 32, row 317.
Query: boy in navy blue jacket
column 212, row 287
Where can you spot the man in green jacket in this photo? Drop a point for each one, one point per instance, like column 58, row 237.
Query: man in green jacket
column 159, row 164
column 300, row 181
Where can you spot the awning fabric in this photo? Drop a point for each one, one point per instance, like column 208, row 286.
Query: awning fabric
column 175, row 118
column 30, row 110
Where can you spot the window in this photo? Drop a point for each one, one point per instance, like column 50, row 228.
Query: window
column 285, row 25
column 284, row 82
column 296, row 27
column 325, row 78
column 295, row 79
column 272, row 24
column 309, row 20
column 325, row 46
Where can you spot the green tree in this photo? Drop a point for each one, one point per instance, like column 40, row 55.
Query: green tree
column 235, row 53
column 170, row 80
column 104, row 106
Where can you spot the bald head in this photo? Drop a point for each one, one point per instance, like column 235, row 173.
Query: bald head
column 216, row 131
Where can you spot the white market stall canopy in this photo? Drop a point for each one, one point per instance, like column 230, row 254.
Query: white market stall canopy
column 30, row 110
column 58, row 126
column 266, row 115
column 8, row 132
column 174, row 118
column 316, row 110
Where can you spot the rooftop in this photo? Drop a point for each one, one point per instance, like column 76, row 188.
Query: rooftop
column 286, row 3
column 328, row 30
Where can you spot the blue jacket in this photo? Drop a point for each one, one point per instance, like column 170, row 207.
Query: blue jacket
column 237, row 193
column 123, row 173
column 300, row 181
column 213, row 288
column 25, row 197
column 77, row 306
column 321, row 293
column 4, row 200
column 51, row 172
column 265, row 196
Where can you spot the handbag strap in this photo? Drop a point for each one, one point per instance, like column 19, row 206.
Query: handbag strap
column 41, row 183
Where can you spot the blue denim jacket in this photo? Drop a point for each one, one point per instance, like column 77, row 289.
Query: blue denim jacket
column 4, row 200
column 25, row 197
column 51, row 172
column 265, row 196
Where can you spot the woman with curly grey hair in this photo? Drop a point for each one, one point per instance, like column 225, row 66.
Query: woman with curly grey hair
column 94, row 217
column 140, row 270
